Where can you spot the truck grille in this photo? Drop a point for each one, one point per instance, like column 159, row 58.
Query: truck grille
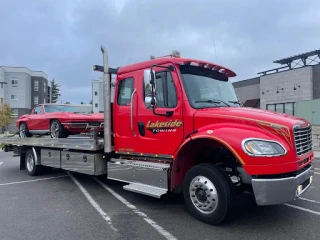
column 303, row 139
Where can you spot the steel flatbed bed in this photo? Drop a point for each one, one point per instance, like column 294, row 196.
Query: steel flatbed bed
column 74, row 143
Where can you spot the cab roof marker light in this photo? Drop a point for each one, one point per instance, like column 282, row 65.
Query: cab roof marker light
column 176, row 54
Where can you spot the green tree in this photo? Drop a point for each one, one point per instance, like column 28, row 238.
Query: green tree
column 81, row 103
column 90, row 102
column 55, row 91
column 67, row 103
column 6, row 115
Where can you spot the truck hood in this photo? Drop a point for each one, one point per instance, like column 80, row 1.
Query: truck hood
column 245, row 115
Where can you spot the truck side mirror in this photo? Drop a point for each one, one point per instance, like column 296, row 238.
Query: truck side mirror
column 149, row 82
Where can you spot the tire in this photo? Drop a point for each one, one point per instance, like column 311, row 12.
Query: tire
column 23, row 131
column 30, row 164
column 57, row 130
column 208, row 194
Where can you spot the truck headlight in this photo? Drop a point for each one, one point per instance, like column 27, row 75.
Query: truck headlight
column 259, row 147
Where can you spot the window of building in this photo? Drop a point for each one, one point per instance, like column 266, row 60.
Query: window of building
column 96, row 93
column 96, row 105
column 166, row 96
column 124, row 92
column 15, row 112
column 35, row 100
column 44, row 87
column 36, row 85
column 1, row 100
column 287, row 108
column 14, row 97
column 14, row 82
column 44, row 100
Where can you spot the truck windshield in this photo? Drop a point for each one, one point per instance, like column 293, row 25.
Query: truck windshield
column 207, row 88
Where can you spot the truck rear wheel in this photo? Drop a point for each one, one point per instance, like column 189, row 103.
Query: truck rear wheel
column 30, row 164
column 208, row 193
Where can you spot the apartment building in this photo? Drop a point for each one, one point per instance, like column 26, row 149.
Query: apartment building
column 22, row 89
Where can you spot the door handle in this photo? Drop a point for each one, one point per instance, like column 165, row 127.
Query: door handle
column 131, row 112
column 141, row 128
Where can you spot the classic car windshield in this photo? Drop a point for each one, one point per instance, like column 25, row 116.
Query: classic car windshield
column 206, row 88
column 58, row 108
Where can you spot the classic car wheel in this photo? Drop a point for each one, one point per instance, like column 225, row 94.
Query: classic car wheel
column 23, row 131
column 57, row 130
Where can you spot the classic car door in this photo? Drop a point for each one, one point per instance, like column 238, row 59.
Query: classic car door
column 36, row 121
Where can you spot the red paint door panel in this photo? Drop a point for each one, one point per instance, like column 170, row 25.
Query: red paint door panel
column 36, row 120
column 123, row 114
column 160, row 134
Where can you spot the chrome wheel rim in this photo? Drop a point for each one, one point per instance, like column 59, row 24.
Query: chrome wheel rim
column 30, row 162
column 22, row 131
column 54, row 129
column 203, row 194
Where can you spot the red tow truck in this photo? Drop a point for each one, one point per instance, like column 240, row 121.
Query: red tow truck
column 175, row 125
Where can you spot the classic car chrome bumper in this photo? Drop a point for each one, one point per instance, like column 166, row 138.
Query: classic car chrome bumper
column 281, row 190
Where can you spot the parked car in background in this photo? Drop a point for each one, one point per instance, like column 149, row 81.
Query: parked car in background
column 59, row 120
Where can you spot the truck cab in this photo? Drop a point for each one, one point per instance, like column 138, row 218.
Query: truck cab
column 186, row 112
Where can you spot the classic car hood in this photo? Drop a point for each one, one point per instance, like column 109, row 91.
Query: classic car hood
column 243, row 115
column 84, row 116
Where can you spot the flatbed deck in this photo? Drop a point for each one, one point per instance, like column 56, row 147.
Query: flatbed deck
column 74, row 143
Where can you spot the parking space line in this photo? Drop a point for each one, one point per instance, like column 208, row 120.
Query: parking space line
column 152, row 223
column 317, row 168
column 92, row 201
column 309, row 200
column 303, row 209
column 35, row 180
column 317, row 173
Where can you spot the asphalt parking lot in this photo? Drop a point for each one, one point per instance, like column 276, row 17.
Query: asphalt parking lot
column 62, row 205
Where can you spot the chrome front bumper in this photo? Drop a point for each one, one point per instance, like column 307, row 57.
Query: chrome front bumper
column 281, row 190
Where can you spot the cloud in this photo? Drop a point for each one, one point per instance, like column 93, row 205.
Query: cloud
column 63, row 38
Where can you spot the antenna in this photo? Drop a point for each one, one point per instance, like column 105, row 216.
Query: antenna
column 215, row 51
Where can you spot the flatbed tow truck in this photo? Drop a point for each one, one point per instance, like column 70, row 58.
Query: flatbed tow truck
column 175, row 125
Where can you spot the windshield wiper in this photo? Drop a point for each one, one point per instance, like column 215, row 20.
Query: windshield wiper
column 213, row 101
column 235, row 102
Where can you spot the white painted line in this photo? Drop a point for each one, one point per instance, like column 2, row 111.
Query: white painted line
column 35, row 180
column 317, row 173
column 317, row 168
column 92, row 201
column 303, row 209
column 1, row 163
column 157, row 227
column 309, row 200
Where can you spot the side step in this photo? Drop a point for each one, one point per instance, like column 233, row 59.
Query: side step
column 145, row 189
column 147, row 178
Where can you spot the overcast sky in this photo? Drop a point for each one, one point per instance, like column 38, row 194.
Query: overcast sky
column 62, row 38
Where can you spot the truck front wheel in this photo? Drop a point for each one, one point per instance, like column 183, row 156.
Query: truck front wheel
column 208, row 193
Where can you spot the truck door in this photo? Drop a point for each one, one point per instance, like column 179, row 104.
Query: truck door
column 158, row 134
column 124, row 112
